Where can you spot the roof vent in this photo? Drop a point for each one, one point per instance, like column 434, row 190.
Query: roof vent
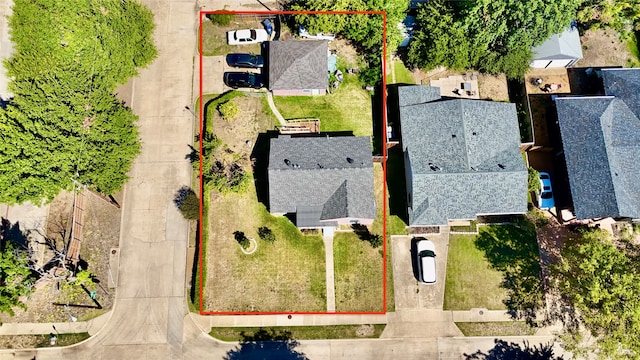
column 453, row 136
column 474, row 133
column 287, row 161
column 320, row 166
column 296, row 166
column 474, row 168
column 350, row 160
column 433, row 167
column 502, row 166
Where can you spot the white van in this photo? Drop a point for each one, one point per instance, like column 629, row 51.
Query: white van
column 426, row 261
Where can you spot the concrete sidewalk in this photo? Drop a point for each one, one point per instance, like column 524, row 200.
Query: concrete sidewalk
column 330, row 273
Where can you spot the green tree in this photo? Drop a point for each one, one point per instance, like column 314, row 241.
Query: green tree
column 64, row 123
column 533, row 180
column 241, row 238
column 602, row 282
column 493, row 36
column 618, row 14
column 15, row 278
column 188, row 203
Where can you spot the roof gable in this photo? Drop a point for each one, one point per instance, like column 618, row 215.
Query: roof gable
column 331, row 177
column 298, row 65
column 601, row 141
column 565, row 45
column 458, row 151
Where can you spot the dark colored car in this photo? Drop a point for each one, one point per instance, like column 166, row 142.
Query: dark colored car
column 243, row 79
column 245, row 61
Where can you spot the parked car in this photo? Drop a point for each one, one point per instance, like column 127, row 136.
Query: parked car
column 545, row 196
column 247, row 36
column 245, row 61
column 243, row 79
column 426, row 261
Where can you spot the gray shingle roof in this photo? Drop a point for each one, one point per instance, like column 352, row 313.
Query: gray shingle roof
column 601, row 142
column 321, row 178
column 464, row 158
column 565, row 45
column 298, row 65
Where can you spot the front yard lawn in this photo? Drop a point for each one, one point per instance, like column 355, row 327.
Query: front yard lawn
column 471, row 283
column 287, row 275
column 358, row 274
column 348, row 108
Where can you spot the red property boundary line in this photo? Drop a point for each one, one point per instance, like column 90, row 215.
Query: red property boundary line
column 384, row 161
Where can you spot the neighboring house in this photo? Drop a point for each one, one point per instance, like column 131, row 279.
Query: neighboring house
column 560, row 50
column 322, row 181
column 601, row 145
column 461, row 156
column 298, row 67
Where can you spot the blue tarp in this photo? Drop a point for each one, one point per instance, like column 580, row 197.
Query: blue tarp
column 332, row 62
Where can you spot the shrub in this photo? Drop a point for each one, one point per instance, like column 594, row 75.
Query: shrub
column 266, row 234
column 241, row 238
column 534, row 180
column 188, row 203
column 220, row 19
column 375, row 240
column 228, row 110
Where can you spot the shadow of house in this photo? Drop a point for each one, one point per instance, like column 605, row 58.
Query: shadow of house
column 461, row 157
column 321, row 181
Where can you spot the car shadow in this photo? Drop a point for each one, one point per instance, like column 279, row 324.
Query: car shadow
column 414, row 257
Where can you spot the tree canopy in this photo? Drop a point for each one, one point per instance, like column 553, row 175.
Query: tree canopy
column 364, row 31
column 493, row 36
column 15, row 276
column 64, row 123
column 602, row 281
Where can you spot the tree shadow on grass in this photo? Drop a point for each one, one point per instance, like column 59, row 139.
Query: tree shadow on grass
column 507, row 351
column 513, row 250
column 266, row 344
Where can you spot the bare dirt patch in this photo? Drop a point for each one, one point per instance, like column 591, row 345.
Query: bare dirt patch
column 345, row 52
column 493, row 87
column 101, row 233
column 240, row 134
column 603, row 48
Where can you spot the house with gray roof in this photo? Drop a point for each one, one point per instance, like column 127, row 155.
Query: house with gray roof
column 461, row 157
column 298, row 67
column 601, row 147
column 322, row 181
column 559, row 50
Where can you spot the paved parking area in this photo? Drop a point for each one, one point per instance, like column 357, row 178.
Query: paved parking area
column 213, row 68
column 409, row 293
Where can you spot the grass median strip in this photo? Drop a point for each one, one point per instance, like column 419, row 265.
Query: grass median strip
column 502, row 328
column 38, row 341
column 301, row 332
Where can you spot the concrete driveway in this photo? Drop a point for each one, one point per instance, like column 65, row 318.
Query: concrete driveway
column 409, row 293
column 213, row 68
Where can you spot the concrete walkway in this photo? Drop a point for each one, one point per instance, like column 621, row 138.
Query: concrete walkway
column 330, row 274
column 275, row 111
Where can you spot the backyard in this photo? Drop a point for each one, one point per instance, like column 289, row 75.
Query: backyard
column 347, row 108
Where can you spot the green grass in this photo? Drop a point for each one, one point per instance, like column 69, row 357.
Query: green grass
column 503, row 328
column 297, row 332
column 214, row 38
column 358, row 274
column 347, row 109
column 288, row 275
column 470, row 282
column 631, row 42
column 403, row 75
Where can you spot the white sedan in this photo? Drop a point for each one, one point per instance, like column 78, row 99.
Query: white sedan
column 247, row 36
